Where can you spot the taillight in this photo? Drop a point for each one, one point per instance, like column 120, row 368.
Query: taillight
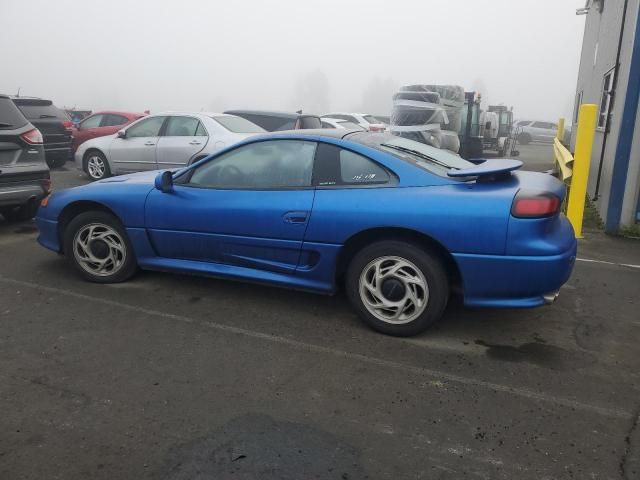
column 46, row 185
column 376, row 128
column 32, row 137
column 68, row 126
column 535, row 205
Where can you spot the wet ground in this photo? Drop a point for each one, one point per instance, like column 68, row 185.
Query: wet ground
column 178, row 377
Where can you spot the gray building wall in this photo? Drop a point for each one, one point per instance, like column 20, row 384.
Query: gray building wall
column 599, row 49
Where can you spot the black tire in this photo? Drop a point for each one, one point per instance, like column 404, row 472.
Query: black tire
column 524, row 138
column 99, row 157
column 128, row 265
column 55, row 163
column 21, row 213
column 428, row 264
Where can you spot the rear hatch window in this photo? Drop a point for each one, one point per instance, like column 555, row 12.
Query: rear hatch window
column 37, row 109
column 238, row 124
column 310, row 122
column 10, row 116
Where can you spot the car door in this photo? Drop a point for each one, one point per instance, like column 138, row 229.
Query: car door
column 248, row 207
column 183, row 137
column 136, row 151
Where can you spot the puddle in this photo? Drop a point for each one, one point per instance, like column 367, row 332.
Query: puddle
column 539, row 354
column 260, row 447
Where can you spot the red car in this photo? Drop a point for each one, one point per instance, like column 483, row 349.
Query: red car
column 100, row 124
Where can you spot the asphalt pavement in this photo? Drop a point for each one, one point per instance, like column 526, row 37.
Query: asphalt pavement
column 181, row 377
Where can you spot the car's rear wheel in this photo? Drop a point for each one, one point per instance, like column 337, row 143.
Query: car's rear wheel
column 397, row 287
column 97, row 245
column 96, row 165
column 524, row 138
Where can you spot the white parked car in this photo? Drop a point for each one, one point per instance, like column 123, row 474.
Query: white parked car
column 366, row 121
column 327, row 122
column 535, row 131
column 162, row 141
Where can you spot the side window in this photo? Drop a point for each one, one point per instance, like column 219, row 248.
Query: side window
column 356, row 169
column 538, row 125
column 181, row 127
column 91, row 122
column 606, row 101
column 335, row 166
column 114, row 120
column 149, row 127
column 262, row 165
column 201, row 131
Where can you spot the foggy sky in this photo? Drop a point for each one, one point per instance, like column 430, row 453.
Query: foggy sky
column 213, row 55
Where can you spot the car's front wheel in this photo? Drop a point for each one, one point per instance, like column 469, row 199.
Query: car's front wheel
column 97, row 245
column 96, row 165
column 524, row 138
column 397, row 288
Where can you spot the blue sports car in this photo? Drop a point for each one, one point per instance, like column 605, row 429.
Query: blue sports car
column 400, row 224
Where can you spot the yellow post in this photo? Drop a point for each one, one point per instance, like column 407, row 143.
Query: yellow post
column 560, row 134
column 581, row 163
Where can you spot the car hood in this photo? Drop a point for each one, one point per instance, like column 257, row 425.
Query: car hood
column 145, row 178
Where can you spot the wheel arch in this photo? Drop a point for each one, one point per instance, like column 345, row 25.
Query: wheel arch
column 369, row 236
column 74, row 209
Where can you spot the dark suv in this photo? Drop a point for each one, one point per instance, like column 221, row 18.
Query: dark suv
column 278, row 121
column 54, row 124
column 24, row 175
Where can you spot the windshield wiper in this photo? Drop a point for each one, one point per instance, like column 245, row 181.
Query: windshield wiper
column 46, row 115
column 419, row 154
column 5, row 125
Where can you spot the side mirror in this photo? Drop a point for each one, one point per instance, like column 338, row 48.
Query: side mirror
column 164, row 182
column 122, row 133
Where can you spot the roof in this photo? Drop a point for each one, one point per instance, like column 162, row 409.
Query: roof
column 271, row 113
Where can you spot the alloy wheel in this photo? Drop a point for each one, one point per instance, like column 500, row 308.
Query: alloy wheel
column 99, row 249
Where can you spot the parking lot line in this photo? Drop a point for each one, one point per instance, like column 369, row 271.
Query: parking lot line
column 604, row 262
column 435, row 374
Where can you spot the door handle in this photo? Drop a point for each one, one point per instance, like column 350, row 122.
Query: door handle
column 195, row 142
column 150, row 143
column 295, row 217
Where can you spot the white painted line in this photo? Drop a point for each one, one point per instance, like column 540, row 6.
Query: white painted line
column 589, row 260
column 435, row 374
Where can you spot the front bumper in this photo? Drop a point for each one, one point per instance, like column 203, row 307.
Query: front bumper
column 48, row 233
column 513, row 281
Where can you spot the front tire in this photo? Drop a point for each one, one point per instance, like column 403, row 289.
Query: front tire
column 397, row 288
column 524, row 138
column 96, row 166
column 97, row 245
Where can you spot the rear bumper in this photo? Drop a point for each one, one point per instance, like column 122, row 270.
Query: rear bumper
column 514, row 281
column 20, row 194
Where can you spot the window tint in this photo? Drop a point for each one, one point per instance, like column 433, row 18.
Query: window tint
column 181, row 127
column 238, row 124
column 337, row 166
column 149, row 127
column 545, row 125
column 356, row 169
column 327, row 125
column 36, row 111
column 270, row 164
column 371, row 119
column 113, row 120
column 10, row 116
column 201, row 131
column 91, row 122
column 271, row 124
column 309, row 122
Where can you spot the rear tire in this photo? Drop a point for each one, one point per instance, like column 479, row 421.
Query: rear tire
column 95, row 165
column 97, row 245
column 524, row 138
column 397, row 288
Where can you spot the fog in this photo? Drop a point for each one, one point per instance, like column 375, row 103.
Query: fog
column 289, row 54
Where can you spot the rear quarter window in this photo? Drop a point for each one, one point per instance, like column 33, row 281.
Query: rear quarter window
column 10, row 116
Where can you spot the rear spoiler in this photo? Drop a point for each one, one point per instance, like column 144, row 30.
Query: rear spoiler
column 487, row 168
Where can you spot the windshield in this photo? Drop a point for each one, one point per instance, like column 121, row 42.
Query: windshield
column 434, row 160
column 238, row 124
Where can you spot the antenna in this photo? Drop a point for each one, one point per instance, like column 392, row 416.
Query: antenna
column 18, row 94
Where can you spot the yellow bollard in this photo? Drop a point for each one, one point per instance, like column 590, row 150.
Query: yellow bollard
column 581, row 163
column 560, row 134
